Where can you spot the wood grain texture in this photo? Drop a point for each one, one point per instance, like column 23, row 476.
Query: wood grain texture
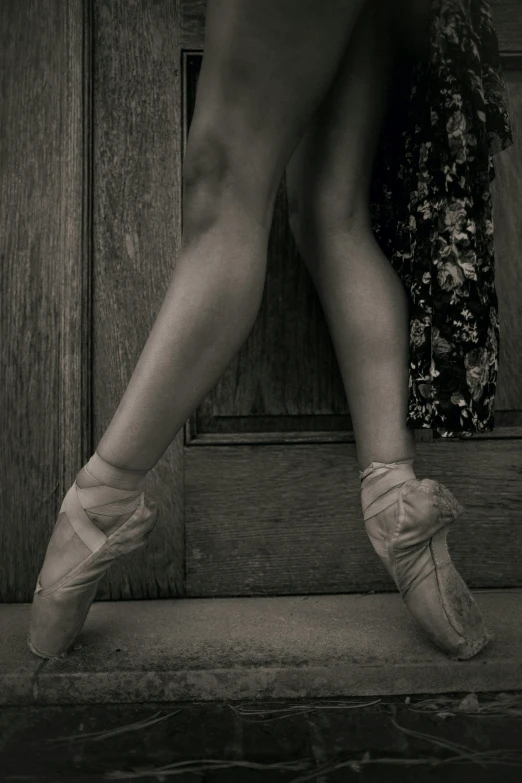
column 44, row 275
column 137, row 221
column 507, row 217
column 507, row 16
column 280, row 520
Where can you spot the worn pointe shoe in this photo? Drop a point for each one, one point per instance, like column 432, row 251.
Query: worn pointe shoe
column 59, row 610
column 408, row 526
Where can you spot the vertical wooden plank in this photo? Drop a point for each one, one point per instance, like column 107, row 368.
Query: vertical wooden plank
column 137, row 227
column 44, row 273
column 507, row 204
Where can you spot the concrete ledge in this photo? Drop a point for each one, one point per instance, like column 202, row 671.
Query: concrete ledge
column 256, row 648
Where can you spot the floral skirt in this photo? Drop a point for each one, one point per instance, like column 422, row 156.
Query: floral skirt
column 432, row 215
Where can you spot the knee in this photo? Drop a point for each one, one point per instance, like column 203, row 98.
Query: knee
column 206, row 163
column 205, row 180
column 217, row 176
column 319, row 218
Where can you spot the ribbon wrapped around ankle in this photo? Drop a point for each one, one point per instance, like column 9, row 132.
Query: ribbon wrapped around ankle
column 380, row 483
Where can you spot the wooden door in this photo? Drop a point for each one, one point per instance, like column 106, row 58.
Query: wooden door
column 259, row 493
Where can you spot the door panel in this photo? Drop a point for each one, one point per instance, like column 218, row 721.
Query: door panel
column 286, row 519
column 285, row 382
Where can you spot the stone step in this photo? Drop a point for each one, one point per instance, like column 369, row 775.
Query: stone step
column 312, row 646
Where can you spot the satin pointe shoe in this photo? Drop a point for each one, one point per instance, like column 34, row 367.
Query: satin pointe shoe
column 408, row 526
column 58, row 611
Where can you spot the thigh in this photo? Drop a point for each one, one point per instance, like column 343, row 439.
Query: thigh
column 267, row 65
column 329, row 174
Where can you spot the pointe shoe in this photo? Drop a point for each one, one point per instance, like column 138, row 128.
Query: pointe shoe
column 58, row 611
column 408, row 528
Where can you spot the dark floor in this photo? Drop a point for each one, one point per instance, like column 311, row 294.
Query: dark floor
column 451, row 738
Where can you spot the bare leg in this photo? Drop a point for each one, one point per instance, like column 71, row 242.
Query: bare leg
column 208, row 311
column 235, row 158
column 267, row 66
column 366, row 308
column 363, row 299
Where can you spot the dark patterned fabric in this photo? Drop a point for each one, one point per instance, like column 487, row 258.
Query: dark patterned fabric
column 432, row 215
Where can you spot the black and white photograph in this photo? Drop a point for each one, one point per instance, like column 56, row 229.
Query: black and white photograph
column 261, row 391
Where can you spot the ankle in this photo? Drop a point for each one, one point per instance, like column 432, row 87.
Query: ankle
column 378, row 479
column 108, row 495
column 99, row 470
